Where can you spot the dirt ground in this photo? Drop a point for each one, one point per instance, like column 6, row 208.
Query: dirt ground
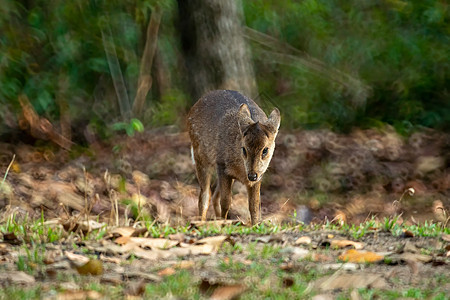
column 314, row 176
column 318, row 174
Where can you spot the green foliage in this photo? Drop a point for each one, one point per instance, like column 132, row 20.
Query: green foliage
column 56, row 53
column 398, row 48
column 130, row 128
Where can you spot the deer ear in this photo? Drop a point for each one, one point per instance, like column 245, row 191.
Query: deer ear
column 244, row 117
column 244, row 111
column 274, row 120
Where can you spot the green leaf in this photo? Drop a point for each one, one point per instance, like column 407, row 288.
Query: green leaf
column 137, row 125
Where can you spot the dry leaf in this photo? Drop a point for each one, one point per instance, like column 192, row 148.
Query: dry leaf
column 304, row 240
column 76, row 259
column 350, row 281
column 215, row 241
column 346, row 243
column 124, row 231
column 153, row 243
column 446, row 237
column 78, row 295
column 152, row 254
column 205, row 249
column 320, row 257
column 167, row 271
column 16, row 277
column 218, row 291
column 407, row 256
column 356, row 256
column 110, row 259
column 185, row 264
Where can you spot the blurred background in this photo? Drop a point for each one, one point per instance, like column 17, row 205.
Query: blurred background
column 334, row 64
column 363, row 88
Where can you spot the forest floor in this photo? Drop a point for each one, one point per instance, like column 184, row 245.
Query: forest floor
column 362, row 215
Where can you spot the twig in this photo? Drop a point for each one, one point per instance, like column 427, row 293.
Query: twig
column 145, row 78
column 116, row 73
column 6, row 174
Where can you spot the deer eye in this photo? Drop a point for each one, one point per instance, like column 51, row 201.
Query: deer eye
column 244, row 152
column 264, row 152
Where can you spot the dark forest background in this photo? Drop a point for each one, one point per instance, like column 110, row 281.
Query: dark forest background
column 73, row 68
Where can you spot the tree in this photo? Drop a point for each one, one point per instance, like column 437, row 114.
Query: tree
column 215, row 52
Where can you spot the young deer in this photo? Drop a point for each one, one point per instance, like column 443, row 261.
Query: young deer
column 231, row 134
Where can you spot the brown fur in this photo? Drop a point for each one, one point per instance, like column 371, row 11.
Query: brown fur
column 221, row 124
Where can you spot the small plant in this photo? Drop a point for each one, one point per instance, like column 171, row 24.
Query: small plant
column 130, row 128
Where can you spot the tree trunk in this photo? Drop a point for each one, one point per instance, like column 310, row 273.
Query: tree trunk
column 215, row 52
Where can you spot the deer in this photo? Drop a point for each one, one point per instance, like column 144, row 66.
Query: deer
column 230, row 134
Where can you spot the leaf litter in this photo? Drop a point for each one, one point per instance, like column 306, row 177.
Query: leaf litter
column 66, row 194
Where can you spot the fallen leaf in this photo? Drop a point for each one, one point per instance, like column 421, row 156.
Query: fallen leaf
column 446, row 237
column 85, row 226
column 16, row 277
column 413, row 257
column 153, row 243
column 152, row 254
column 205, row 249
column 350, row 281
column 227, row 292
column 142, row 276
column 78, row 295
column 113, row 278
column 219, row 291
column 303, row 240
column 296, row 252
column 185, row 264
column 337, row 244
column 167, row 271
column 76, row 259
column 356, row 256
column 110, row 259
column 123, row 231
column 318, row 257
column 215, row 241
column 342, row 266
column 177, row 237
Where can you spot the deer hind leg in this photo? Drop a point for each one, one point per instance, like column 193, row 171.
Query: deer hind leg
column 204, row 180
column 216, row 200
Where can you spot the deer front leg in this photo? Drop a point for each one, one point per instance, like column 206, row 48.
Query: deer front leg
column 225, row 182
column 254, row 202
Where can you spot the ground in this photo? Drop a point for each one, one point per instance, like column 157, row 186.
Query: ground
column 361, row 215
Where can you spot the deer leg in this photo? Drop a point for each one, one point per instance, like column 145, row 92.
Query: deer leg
column 204, row 180
column 216, row 200
column 225, row 182
column 254, row 202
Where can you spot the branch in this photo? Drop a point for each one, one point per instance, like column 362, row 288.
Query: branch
column 145, row 78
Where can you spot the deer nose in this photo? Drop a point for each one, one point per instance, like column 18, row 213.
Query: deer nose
column 252, row 176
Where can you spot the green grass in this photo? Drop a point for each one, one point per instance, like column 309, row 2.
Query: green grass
column 256, row 264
